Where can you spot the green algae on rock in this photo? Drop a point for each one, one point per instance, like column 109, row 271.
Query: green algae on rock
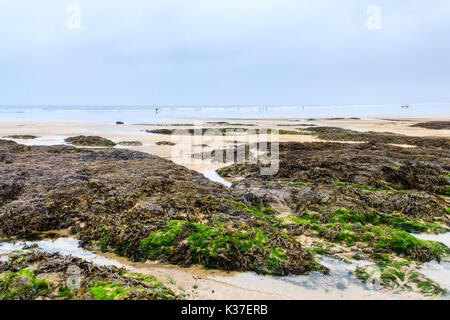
column 344, row 200
column 361, row 201
column 33, row 274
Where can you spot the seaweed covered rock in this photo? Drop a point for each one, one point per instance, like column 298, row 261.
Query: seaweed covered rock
column 358, row 200
column 339, row 134
column 300, row 197
column 90, row 141
column 21, row 137
column 143, row 207
column 130, row 143
column 165, row 143
column 368, row 165
column 161, row 131
column 435, row 125
column 36, row 275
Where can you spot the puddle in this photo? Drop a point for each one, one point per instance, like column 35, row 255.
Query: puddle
column 64, row 246
column 42, row 141
column 357, row 130
column 213, row 176
column 439, row 272
column 338, row 285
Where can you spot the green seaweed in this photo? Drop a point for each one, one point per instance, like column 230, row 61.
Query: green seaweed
column 108, row 291
column 22, row 285
column 213, row 245
column 296, row 183
column 429, row 288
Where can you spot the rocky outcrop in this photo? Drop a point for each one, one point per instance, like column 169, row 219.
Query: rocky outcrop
column 346, row 200
column 435, row 125
column 339, row 134
column 130, row 143
column 373, row 165
column 21, row 137
column 143, row 207
column 165, row 143
column 34, row 275
column 89, row 141
column 360, row 201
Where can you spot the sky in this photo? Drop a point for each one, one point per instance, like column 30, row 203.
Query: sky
column 224, row 52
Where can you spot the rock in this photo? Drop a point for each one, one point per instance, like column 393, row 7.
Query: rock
column 435, row 125
column 119, row 122
column 339, row 134
column 21, row 137
column 160, row 131
column 130, row 143
column 90, row 141
column 124, row 201
column 165, row 143
column 34, row 275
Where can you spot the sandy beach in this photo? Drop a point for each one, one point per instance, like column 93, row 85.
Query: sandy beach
column 54, row 131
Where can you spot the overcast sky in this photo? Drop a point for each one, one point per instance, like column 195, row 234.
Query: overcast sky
column 223, row 52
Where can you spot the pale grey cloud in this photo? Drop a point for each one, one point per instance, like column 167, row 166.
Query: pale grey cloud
column 214, row 52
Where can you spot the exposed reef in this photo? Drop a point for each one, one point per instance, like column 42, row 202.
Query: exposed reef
column 165, row 143
column 358, row 201
column 35, row 275
column 143, row 207
column 89, row 141
column 21, row 137
column 339, row 134
column 435, row 125
column 347, row 200
column 130, row 143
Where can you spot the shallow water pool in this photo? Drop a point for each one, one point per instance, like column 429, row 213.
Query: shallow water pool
column 213, row 176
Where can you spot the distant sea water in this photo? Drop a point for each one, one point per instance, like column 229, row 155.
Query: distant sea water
column 162, row 114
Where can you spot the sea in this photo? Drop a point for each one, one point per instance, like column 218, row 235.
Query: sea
column 175, row 114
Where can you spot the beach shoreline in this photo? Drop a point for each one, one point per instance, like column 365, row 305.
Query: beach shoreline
column 53, row 132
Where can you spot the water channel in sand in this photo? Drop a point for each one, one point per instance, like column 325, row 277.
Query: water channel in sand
column 339, row 284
